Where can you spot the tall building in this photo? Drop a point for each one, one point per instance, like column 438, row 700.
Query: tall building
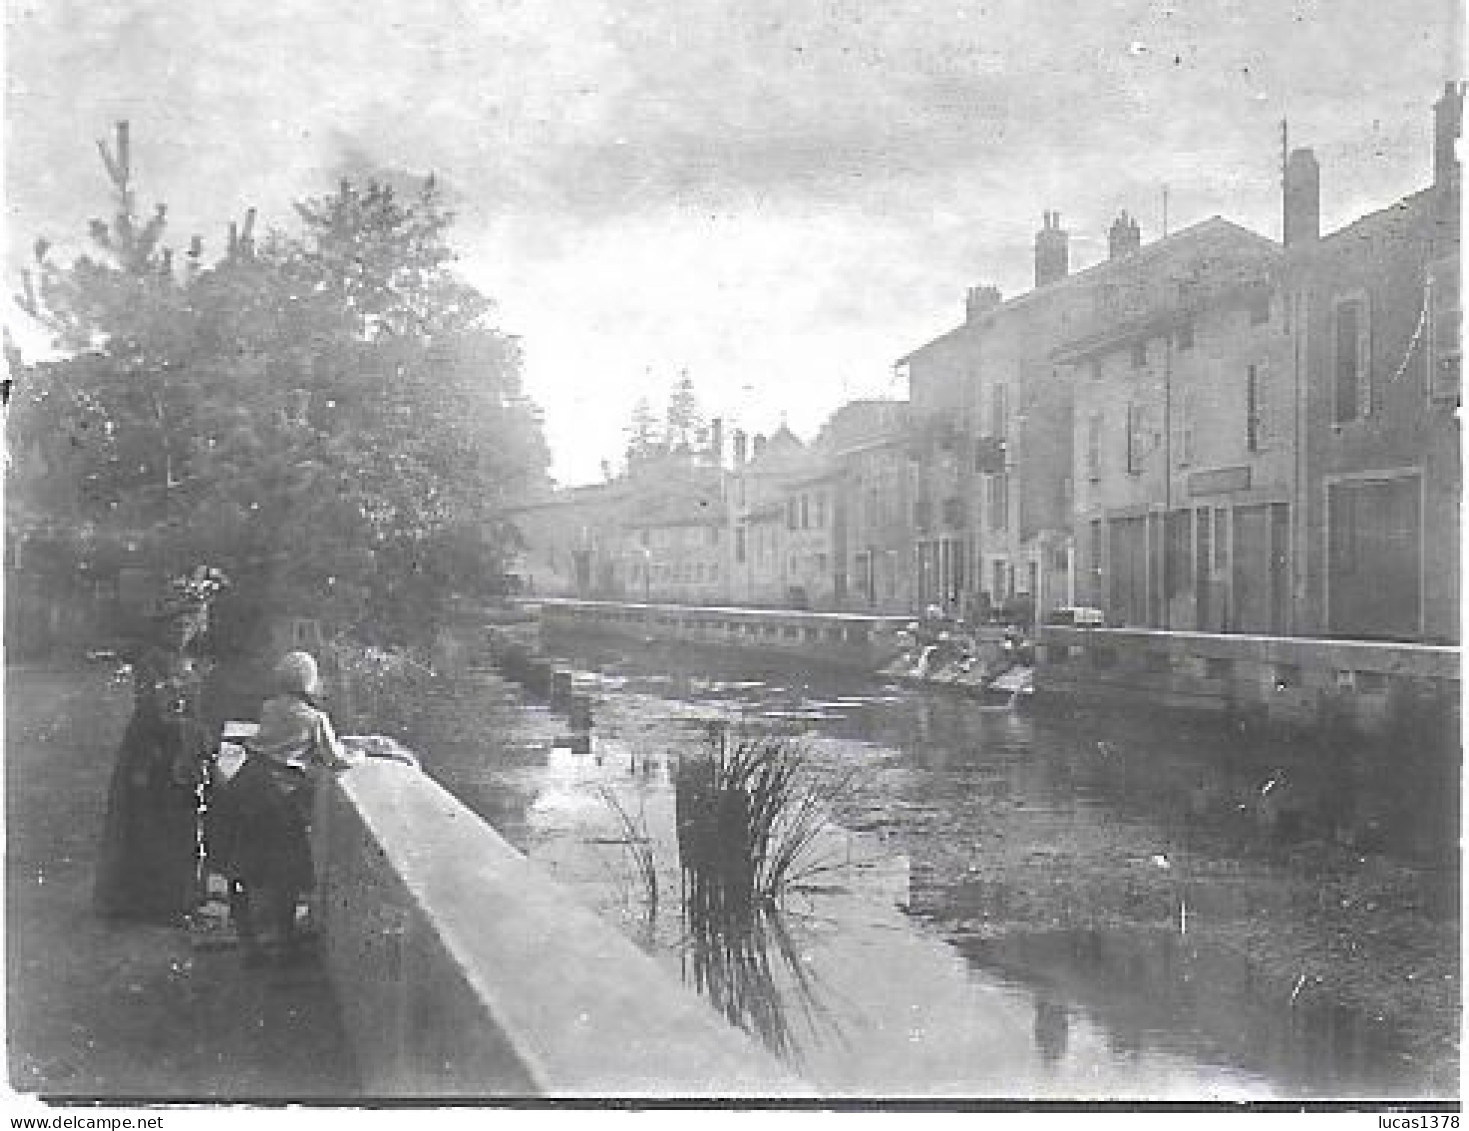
column 1377, row 365
column 1183, row 434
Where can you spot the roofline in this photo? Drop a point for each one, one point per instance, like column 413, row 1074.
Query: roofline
column 1421, row 196
column 1096, row 270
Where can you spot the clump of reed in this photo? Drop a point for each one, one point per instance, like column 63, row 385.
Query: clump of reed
column 639, row 846
column 749, row 809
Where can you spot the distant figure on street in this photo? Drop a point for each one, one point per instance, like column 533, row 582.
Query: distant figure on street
column 148, row 862
column 261, row 816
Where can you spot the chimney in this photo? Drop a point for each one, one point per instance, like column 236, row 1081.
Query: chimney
column 759, row 444
column 1051, row 255
column 739, row 446
column 716, row 440
column 1124, row 237
column 979, row 301
column 1448, row 121
column 1302, row 216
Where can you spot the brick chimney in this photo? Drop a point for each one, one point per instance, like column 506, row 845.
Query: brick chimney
column 1302, row 216
column 716, row 440
column 1052, row 256
column 759, row 444
column 738, row 441
column 1448, row 123
column 1124, row 237
column 980, row 301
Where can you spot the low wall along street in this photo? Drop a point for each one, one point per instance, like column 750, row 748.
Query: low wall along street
column 852, row 640
column 1289, row 681
column 462, row 970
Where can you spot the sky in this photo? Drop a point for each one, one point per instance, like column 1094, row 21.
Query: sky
column 779, row 197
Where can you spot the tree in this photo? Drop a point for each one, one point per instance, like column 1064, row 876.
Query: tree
column 643, row 436
column 332, row 416
column 685, row 420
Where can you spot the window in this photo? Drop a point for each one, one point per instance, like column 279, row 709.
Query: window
column 793, row 514
column 999, row 410
column 820, row 510
column 1183, row 430
column 1096, row 368
column 1094, row 446
column 739, row 546
column 1444, row 343
column 1139, row 355
column 1259, row 305
column 997, row 498
column 1134, row 438
column 1185, row 336
column 953, row 511
column 805, row 512
column 1255, row 407
column 1221, row 539
column 1352, row 359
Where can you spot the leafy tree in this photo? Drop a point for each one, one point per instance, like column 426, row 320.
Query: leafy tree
column 330, row 415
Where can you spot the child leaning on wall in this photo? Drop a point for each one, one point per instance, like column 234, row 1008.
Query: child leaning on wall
column 259, row 839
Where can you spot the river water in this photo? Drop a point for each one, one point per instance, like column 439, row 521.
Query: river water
column 1004, row 903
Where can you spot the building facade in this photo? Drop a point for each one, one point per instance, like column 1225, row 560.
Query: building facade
column 1378, row 312
column 1183, row 436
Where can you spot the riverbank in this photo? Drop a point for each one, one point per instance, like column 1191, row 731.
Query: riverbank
column 114, row 1011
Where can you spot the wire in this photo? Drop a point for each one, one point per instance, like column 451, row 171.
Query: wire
column 1417, row 333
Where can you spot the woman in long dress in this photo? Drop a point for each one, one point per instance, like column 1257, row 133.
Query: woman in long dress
column 147, row 866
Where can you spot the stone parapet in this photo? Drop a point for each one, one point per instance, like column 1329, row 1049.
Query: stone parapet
column 463, row 970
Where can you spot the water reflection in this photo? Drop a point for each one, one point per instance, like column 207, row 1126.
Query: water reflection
column 1159, row 988
column 750, row 969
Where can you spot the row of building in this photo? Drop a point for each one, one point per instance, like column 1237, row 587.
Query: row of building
column 1214, row 431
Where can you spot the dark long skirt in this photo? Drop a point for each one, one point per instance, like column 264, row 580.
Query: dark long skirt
column 257, row 829
column 147, row 866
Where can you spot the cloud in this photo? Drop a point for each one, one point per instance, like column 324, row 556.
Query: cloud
column 782, row 195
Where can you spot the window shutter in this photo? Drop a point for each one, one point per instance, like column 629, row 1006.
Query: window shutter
column 1183, row 431
column 1262, row 405
column 1444, row 331
column 1364, row 357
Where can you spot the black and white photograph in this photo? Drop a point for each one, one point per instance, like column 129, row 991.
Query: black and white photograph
column 748, row 556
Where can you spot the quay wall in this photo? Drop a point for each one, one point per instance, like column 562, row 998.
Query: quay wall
column 1364, row 686
column 463, row 970
column 853, row 640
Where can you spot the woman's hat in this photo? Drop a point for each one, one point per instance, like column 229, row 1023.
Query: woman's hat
column 189, row 594
column 297, row 674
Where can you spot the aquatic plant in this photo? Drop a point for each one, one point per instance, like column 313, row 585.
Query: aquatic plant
column 749, row 809
column 639, row 847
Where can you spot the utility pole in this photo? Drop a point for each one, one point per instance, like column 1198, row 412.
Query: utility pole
column 1284, row 204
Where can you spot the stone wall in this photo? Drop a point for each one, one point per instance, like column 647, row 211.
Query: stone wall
column 462, row 970
column 1292, row 681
